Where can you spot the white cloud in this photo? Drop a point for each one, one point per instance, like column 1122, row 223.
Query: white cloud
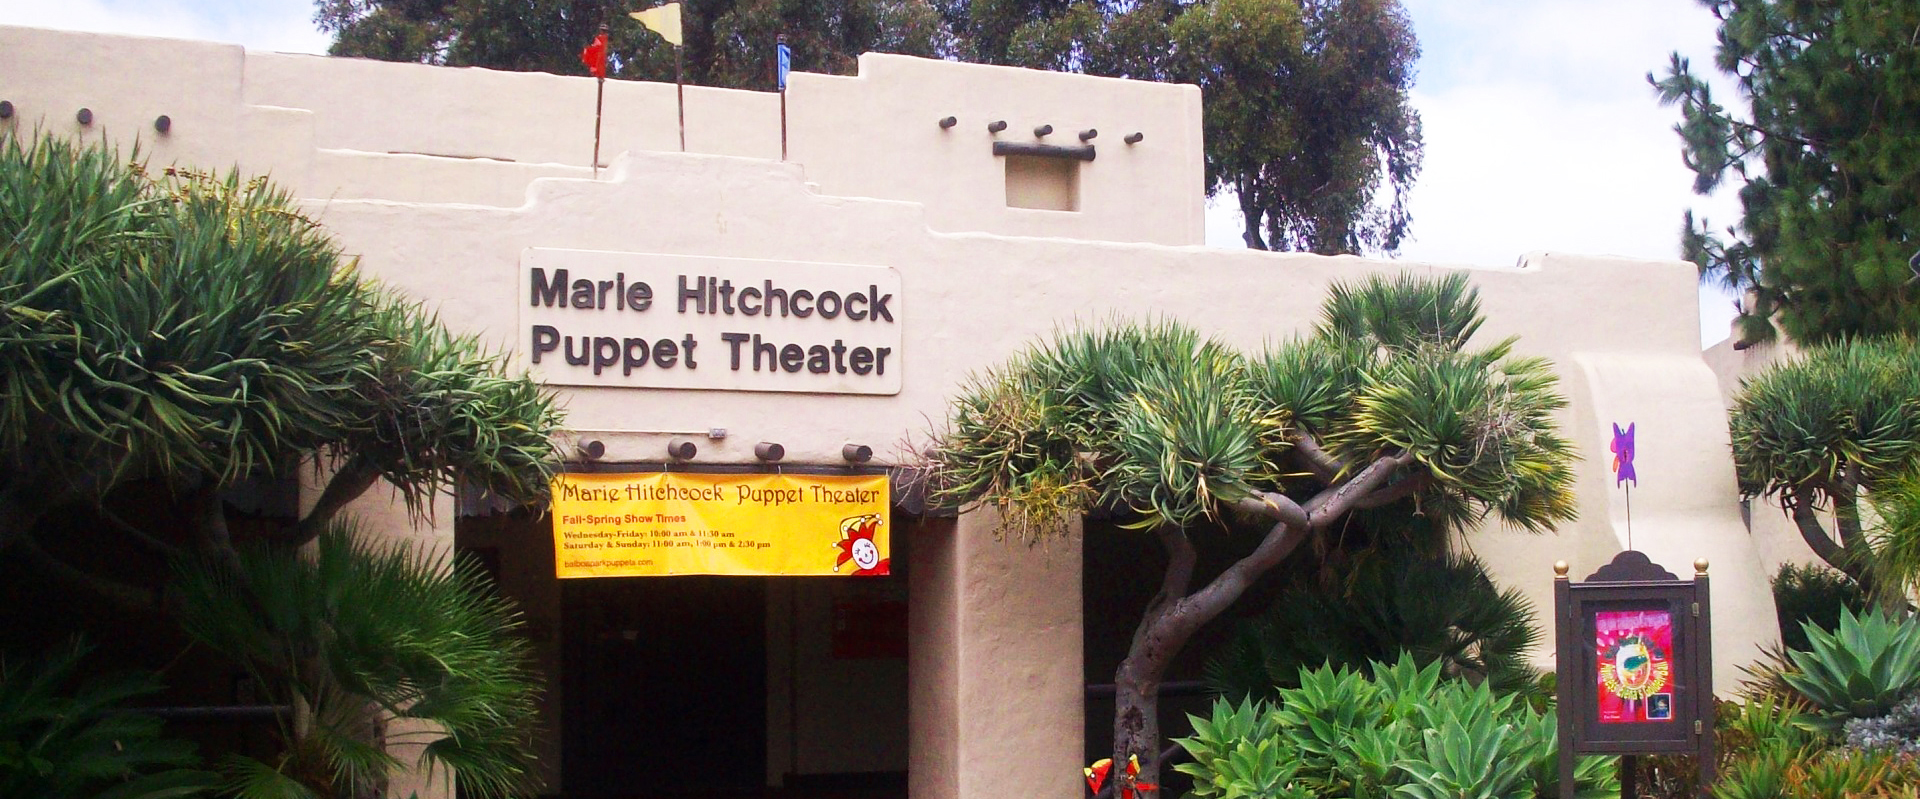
column 1542, row 134
column 282, row 25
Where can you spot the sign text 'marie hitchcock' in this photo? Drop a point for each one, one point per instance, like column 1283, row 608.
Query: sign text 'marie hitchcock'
column 708, row 296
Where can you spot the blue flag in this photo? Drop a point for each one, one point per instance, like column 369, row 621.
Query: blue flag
column 786, row 64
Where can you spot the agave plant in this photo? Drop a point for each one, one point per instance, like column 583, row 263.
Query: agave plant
column 1403, row 731
column 1862, row 669
column 63, row 737
column 1475, row 758
column 359, row 636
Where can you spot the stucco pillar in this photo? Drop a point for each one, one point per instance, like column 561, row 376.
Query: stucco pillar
column 995, row 672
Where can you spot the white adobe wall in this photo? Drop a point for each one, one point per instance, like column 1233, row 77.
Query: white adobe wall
column 440, row 179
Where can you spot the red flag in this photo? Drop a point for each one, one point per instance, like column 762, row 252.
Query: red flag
column 595, row 56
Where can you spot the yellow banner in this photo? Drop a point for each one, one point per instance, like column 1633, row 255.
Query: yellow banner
column 649, row 525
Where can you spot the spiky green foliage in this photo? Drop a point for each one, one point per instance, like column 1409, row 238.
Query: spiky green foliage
column 67, row 737
column 445, row 409
column 1441, row 610
column 359, row 635
column 142, row 331
column 1826, row 429
column 1824, row 157
column 1838, row 407
column 197, row 329
column 1385, row 731
column 1152, row 417
column 1402, row 312
column 1159, row 420
column 1860, row 670
column 1817, row 770
column 1895, row 536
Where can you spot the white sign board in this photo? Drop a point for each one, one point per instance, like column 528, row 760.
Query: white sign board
column 642, row 320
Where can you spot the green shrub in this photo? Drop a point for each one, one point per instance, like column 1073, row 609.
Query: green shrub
column 1812, row 594
column 1781, row 771
column 1860, row 670
column 1401, row 732
column 360, row 634
column 1442, row 609
column 1897, row 732
column 62, row 736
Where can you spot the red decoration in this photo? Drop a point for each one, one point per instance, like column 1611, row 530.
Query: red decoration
column 857, row 546
column 595, row 56
column 1129, row 781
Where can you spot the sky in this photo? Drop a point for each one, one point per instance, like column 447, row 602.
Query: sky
column 1541, row 131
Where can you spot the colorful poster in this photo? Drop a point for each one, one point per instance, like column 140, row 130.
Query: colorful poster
column 649, row 525
column 1635, row 658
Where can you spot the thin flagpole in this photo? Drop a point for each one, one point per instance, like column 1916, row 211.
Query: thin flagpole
column 1629, row 488
column 780, row 76
column 680, row 92
column 599, row 99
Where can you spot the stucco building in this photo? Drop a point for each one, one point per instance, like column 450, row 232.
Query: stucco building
column 455, row 185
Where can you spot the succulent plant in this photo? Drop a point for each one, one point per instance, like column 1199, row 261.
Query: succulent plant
column 1861, row 670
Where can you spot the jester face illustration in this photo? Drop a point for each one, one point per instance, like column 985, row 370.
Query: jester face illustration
column 1634, row 668
column 1634, row 665
column 858, row 547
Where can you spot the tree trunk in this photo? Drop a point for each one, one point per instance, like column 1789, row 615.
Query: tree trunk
column 1136, row 684
column 1175, row 615
column 1807, row 519
column 1250, row 214
column 1170, row 620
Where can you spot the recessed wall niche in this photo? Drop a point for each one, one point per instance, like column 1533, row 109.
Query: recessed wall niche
column 1043, row 183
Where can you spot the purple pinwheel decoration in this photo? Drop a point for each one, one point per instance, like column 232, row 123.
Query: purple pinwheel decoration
column 1623, row 455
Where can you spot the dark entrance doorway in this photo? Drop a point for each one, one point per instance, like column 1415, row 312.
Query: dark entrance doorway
column 665, row 685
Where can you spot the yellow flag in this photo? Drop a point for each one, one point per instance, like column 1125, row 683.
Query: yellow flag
column 663, row 19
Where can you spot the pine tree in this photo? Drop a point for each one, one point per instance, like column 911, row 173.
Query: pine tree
column 1827, row 158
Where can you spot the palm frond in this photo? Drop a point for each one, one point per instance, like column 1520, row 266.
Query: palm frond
column 1403, row 311
column 363, row 634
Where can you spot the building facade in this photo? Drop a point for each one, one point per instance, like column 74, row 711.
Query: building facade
column 955, row 212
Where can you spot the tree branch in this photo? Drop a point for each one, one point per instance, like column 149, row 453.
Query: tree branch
column 1277, row 507
column 139, row 536
column 1394, row 492
column 354, row 477
column 1801, row 505
column 121, row 595
column 1250, row 213
column 1180, row 560
column 208, row 514
column 1173, row 584
column 1334, row 502
column 1189, row 613
column 1846, row 512
column 1323, row 466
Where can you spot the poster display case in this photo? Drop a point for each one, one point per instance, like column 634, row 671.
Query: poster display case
column 1635, row 665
